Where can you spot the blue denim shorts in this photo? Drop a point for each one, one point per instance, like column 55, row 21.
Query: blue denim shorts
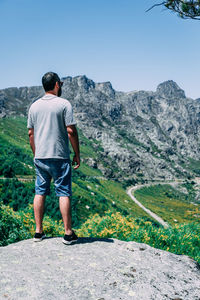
column 59, row 170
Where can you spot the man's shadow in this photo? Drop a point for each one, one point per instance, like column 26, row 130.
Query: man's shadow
column 85, row 240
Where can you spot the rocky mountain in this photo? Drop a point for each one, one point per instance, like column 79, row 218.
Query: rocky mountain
column 142, row 134
column 14, row 101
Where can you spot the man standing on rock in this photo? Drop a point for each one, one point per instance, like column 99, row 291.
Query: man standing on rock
column 50, row 124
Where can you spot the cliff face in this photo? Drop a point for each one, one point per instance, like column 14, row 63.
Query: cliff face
column 14, row 101
column 94, row 268
column 149, row 135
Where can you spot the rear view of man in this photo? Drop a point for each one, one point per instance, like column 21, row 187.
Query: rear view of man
column 50, row 124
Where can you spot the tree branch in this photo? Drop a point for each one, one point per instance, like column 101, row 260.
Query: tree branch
column 159, row 4
column 185, row 9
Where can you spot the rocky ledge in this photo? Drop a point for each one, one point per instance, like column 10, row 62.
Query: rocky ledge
column 100, row 269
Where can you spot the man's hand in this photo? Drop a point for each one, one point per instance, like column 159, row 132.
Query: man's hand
column 76, row 161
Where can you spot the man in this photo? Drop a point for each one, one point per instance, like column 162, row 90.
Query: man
column 50, row 124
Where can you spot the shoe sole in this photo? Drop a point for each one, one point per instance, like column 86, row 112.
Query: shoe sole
column 39, row 240
column 69, row 242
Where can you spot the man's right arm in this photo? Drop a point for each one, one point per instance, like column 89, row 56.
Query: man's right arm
column 73, row 137
column 31, row 139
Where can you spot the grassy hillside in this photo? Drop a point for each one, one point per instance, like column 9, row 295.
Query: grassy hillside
column 91, row 193
column 100, row 207
column 15, row 152
column 169, row 203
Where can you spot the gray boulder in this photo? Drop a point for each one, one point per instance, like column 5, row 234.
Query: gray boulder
column 96, row 269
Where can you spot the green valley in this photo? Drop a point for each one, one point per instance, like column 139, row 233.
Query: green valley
column 100, row 206
column 92, row 193
column 171, row 204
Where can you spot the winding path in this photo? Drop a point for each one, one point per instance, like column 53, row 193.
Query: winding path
column 152, row 214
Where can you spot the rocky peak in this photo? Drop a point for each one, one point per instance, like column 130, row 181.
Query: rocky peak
column 106, row 88
column 170, row 89
column 80, row 82
column 84, row 82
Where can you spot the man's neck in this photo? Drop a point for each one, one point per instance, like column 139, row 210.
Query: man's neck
column 51, row 93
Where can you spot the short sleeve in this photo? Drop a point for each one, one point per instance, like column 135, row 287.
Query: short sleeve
column 30, row 120
column 68, row 115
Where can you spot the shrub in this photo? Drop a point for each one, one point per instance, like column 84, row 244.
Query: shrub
column 180, row 239
column 12, row 228
column 17, row 226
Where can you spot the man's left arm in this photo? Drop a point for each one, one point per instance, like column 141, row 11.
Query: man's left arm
column 31, row 139
column 73, row 137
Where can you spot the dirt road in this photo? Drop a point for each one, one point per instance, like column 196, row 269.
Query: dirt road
column 152, row 214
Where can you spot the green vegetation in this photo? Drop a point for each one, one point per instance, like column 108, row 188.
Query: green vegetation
column 100, row 207
column 14, row 133
column 17, row 226
column 89, row 197
column 194, row 165
column 170, row 204
column 90, row 194
column 15, row 152
column 154, row 148
column 180, row 239
column 129, row 138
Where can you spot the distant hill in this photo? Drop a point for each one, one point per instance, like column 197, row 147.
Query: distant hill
column 142, row 135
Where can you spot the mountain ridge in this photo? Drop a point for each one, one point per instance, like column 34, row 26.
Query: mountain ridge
column 144, row 134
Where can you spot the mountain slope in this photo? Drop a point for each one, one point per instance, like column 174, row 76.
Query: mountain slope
column 142, row 135
column 92, row 193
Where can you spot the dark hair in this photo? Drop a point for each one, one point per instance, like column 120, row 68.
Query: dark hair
column 49, row 80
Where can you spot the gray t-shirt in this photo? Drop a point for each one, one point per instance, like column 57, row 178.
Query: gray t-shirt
column 49, row 117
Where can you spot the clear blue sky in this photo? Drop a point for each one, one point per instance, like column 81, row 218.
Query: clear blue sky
column 107, row 40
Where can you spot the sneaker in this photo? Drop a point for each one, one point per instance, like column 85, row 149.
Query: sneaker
column 68, row 239
column 38, row 237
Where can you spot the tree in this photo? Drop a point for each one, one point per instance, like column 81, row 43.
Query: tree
column 186, row 9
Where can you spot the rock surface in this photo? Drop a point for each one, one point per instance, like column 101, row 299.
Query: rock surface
column 99, row 269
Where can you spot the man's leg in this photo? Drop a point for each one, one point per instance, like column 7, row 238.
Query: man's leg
column 39, row 211
column 65, row 209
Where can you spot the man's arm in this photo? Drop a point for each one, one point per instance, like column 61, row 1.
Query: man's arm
column 73, row 137
column 31, row 139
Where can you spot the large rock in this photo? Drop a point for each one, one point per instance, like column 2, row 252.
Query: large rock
column 95, row 269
